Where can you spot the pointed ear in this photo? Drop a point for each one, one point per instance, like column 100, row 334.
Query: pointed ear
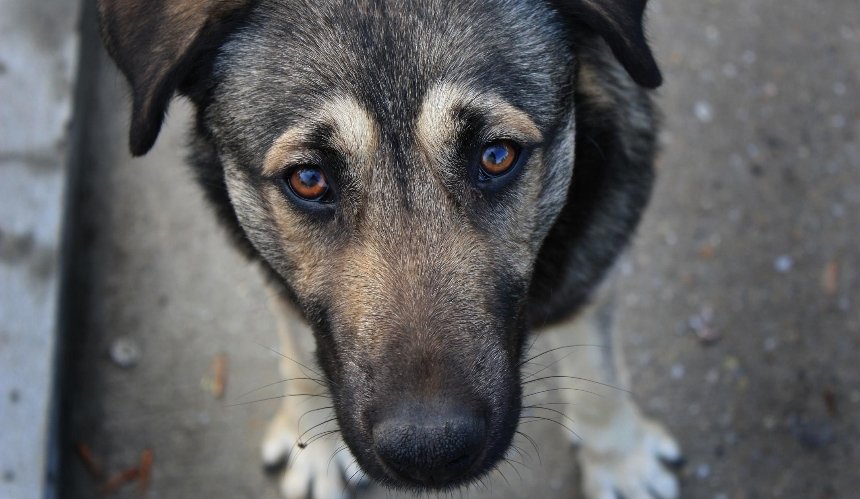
column 619, row 22
column 154, row 43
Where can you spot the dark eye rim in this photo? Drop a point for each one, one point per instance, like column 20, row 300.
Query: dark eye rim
column 325, row 202
column 490, row 182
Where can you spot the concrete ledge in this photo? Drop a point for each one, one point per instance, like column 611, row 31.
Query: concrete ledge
column 39, row 47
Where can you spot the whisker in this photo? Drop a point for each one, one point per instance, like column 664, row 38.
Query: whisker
column 343, row 492
column 499, row 471
column 565, row 416
column 522, row 363
column 557, row 376
column 279, row 397
column 510, row 462
column 333, row 454
column 319, row 436
column 556, row 389
column 548, row 366
column 522, row 453
column 299, row 439
column 349, row 481
column 290, row 359
column 255, row 390
column 299, row 424
column 541, row 418
column 534, row 444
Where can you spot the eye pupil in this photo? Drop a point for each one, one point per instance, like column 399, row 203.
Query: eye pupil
column 498, row 157
column 308, row 183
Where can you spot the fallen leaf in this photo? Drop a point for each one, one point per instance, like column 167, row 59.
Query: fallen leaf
column 830, row 278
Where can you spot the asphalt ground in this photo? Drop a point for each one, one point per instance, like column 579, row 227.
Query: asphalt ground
column 740, row 297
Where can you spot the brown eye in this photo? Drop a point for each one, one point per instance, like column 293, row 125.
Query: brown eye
column 309, row 183
column 499, row 157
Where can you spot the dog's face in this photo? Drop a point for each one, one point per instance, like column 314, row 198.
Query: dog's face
column 399, row 166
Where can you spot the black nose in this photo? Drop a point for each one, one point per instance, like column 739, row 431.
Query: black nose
column 430, row 444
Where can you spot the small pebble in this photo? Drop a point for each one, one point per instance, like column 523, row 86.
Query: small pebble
column 694, row 410
column 769, row 423
column 838, row 121
column 770, row 344
column 677, row 371
column 731, row 364
column 783, row 264
column 8, row 476
column 812, row 435
column 124, row 352
column 854, row 396
column 749, row 57
column 712, row 34
column 703, row 471
column 837, row 210
column 712, row 376
column 703, row 112
column 839, row 88
column 770, row 89
column 753, row 150
column 721, row 495
column 204, row 419
column 14, row 396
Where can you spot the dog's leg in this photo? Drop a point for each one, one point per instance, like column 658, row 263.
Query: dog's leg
column 315, row 464
column 622, row 453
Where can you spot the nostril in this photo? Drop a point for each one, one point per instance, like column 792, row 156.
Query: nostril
column 431, row 447
column 461, row 461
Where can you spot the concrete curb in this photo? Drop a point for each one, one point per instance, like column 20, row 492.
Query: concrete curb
column 39, row 49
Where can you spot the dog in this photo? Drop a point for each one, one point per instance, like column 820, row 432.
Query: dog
column 426, row 185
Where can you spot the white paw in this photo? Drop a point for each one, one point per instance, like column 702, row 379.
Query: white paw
column 320, row 468
column 638, row 473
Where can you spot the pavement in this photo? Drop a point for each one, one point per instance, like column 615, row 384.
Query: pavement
column 740, row 296
column 39, row 47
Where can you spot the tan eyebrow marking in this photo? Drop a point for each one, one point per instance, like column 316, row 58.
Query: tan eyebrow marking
column 354, row 134
column 436, row 122
column 284, row 148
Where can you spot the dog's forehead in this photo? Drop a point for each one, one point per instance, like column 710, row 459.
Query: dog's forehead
column 292, row 57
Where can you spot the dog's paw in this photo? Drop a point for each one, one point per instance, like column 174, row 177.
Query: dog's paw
column 317, row 469
column 638, row 473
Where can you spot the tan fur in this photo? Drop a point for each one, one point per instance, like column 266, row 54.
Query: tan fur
column 590, row 84
column 437, row 126
column 355, row 134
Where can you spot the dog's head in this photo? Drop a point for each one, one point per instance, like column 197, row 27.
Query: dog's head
column 399, row 165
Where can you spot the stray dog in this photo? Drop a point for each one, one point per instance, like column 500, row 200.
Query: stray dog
column 425, row 184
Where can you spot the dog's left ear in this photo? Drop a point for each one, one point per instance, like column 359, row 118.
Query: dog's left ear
column 619, row 22
column 155, row 43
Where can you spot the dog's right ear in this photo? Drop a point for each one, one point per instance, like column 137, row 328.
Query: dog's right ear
column 154, row 43
column 620, row 23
